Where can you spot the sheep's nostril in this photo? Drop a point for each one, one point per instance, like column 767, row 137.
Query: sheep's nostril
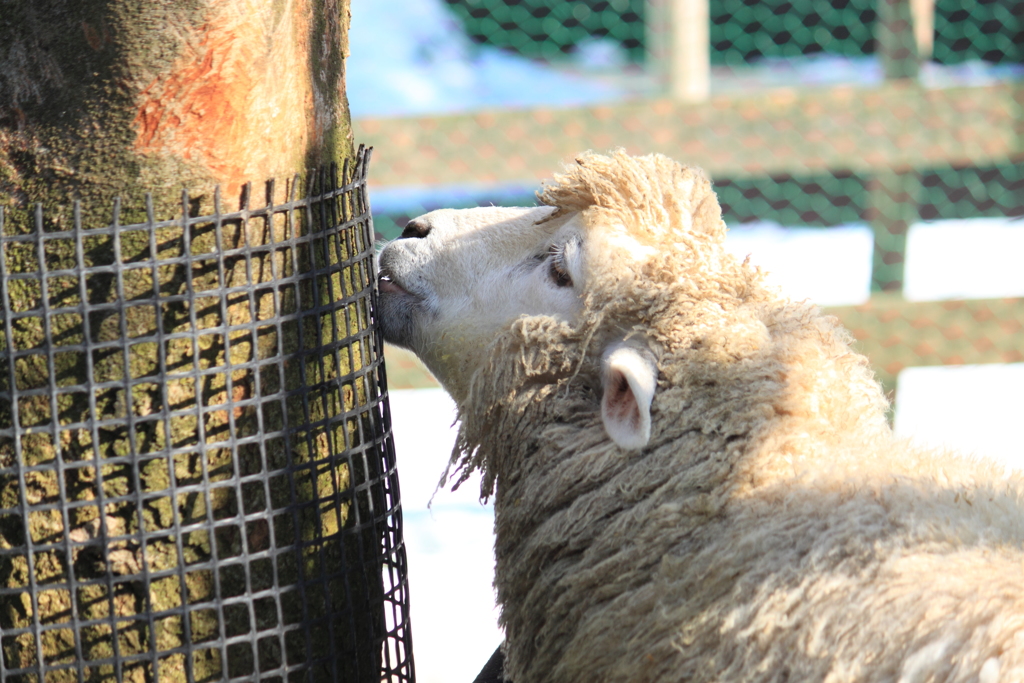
column 415, row 229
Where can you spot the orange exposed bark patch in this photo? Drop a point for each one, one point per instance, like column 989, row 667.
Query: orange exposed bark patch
column 238, row 99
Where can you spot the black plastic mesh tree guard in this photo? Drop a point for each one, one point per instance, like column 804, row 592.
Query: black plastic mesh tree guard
column 197, row 478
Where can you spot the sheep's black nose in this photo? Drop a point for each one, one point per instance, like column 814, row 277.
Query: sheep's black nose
column 414, row 229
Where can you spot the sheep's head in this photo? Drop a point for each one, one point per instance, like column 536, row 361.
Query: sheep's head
column 618, row 235
column 456, row 278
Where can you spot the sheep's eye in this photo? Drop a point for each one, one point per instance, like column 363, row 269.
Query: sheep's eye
column 557, row 270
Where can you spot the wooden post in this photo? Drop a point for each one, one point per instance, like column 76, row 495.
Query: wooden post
column 895, row 39
column 679, row 47
column 923, row 12
column 893, row 209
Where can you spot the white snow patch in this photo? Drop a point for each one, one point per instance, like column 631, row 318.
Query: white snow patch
column 973, row 409
column 449, row 547
column 977, row 258
column 412, row 57
column 829, row 266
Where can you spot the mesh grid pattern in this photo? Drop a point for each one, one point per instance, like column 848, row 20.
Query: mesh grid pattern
column 824, row 200
column 744, row 30
column 197, row 479
column 992, row 30
column 548, row 30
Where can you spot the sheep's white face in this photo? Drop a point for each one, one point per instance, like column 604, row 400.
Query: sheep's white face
column 457, row 277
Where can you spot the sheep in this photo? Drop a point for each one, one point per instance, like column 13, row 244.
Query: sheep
column 694, row 478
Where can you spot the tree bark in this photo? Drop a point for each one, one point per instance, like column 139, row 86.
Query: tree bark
column 105, row 98
column 117, row 98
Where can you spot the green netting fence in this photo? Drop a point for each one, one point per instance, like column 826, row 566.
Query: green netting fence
column 547, row 30
column 743, row 30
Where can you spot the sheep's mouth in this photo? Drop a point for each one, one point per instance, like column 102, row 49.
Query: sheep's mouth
column 386, row 283
column 400, row 311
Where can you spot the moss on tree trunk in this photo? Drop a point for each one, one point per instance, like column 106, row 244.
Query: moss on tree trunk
column 107, row 98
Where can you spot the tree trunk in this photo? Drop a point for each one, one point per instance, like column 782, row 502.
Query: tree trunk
column 105, row 98
column 117, row 98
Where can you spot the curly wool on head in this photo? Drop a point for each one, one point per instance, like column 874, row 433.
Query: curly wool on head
column 654, row 194
column 658, row 202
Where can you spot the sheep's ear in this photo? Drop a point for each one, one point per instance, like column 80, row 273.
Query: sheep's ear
column 629, row 376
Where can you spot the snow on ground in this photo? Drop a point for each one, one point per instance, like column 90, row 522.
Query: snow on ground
column 449, row 545
column 974, row 409
column 979, row 258
column 831, row 267
column 409, row 57
column 823, row 69
column 976, row 258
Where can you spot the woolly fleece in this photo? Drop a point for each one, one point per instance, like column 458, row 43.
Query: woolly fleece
column 772, row 529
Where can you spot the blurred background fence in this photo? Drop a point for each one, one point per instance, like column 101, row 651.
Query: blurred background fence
column 742, row 31
column 884, row 114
